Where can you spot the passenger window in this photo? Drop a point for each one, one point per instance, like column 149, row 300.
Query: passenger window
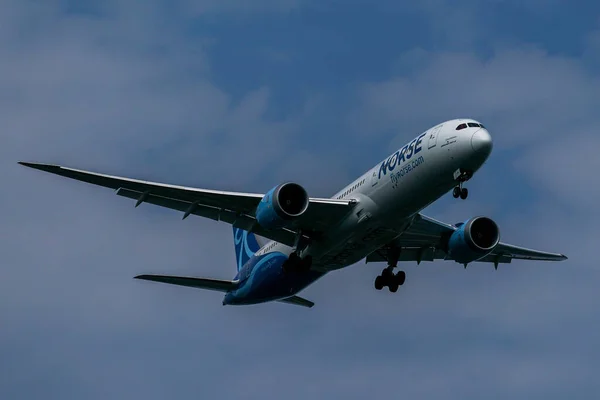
column 461, row 126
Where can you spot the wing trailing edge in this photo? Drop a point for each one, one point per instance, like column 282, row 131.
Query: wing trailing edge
column 235, row 208
column 423, row 241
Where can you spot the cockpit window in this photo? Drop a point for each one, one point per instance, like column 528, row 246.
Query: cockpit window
column 473, row 125
column 461, row 126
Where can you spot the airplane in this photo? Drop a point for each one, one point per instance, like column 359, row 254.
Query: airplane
column 285, row 240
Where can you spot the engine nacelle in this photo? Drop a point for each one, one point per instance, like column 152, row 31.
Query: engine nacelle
column 281, row 205
column 474, row 239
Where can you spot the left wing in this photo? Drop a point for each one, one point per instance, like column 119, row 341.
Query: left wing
column 234, row 208
column 423, row 242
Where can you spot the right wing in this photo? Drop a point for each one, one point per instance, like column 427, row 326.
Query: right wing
column 423, row 241
column 234, row 208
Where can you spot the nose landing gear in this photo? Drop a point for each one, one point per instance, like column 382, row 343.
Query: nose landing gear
column 387, row 277
column 461, row 176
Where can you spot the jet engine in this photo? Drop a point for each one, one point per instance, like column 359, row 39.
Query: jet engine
column 473, row 239
column 282, row 205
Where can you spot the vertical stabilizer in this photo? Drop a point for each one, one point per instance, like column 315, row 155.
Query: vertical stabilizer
column 245, row 246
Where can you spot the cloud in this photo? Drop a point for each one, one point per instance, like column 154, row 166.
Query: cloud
column 568, row 178
column 523, row 95
column 100, row 84
column 540, row 108
column 131, row 88
column 239, row 7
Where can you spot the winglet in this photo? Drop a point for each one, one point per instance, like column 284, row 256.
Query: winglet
column 41, row 167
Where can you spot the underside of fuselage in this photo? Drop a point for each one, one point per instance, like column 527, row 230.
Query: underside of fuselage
column 264, row 279
column 388, row 197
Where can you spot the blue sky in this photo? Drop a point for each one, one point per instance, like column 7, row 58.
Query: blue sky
column 244, row 95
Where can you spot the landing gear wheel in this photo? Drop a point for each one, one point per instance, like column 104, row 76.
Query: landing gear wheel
column 456, row 192
column 306, row 263
column 387, row 278
column 293, row 263
column 464, row 193
column 386, row 274
column 400, row 278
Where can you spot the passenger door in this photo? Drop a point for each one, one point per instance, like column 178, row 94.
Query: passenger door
column 433, row 134
column 374, row 178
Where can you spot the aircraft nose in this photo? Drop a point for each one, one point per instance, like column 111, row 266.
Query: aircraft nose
column 481, row 142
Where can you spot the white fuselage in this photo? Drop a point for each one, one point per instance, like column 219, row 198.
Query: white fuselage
column 391, row 193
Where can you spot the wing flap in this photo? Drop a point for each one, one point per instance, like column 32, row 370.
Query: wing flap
column 408, row 254
column 523, row 253
column 200, row 283
column 242, row 221
column 297, row 301
column 496, row 259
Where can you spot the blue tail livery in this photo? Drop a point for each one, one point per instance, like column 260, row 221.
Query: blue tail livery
column 301, row 238
column 258, row 278
column 245, row 246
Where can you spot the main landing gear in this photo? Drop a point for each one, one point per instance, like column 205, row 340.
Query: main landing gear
column 461, row 176
column 461, row 192
column 295, row 263
column 387, row 277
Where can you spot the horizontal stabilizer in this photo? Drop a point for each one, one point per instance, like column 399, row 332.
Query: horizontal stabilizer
column 201, row 283
column 297, row 301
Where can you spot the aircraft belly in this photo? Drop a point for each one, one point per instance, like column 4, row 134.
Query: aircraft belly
column 359, row 246
column 411, row 193
column 268, row 282
column 397, row 195
column 398, row 198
